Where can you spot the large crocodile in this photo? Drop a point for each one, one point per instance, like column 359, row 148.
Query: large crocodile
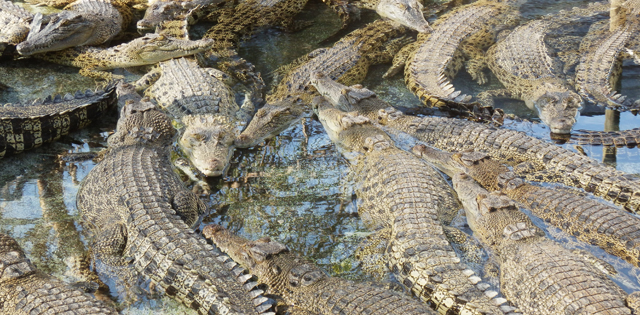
column 299, row 283
column 348, row 61
column 459, row 35
column 522, row 64
column 201, row 100
column 26, row 290
column 403, row 197
column 149, row 49
column 538, row 275
column 597, row 223
column 534, row 157
column 24, row 126
column 83, row 22
column 141, row 215
column 629, row 138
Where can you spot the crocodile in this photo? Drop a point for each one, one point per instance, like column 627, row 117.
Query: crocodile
column 141, row 216
column 149, row 49
column 459, row 35
column 300, row 283
column 201, row 100
column 26, row 290
column 629, row 138
column 615, row 231
column 161, row 12
column 523, row 65
column 14, row 24
column 532, row 157
column 538, row 275
column 28, row 125
column 83, row 22
column 348, row 60
column 403, row 197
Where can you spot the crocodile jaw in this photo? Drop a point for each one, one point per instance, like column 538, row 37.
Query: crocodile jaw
column 558, row 110
column 339, row 95
column 269, row 121
column 404, row 12
column 64, row 30
column 208, row 145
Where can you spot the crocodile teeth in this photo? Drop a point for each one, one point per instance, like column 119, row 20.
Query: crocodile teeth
column 68, row 97
column 482, row 286
column 263, row 308
column 255, row 293
column 57, row 98
column 244, row 278
column 474, row 279
column 249, row 285
column 490, row 294
column 260, row 300
column 500, row 301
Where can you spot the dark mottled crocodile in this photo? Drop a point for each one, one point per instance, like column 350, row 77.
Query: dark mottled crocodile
column 149, row 49
column 629, row 138
column 615, row 231
column 536, row 274
column 203, row 102
column 523, row 65
column 298, row 282
column 84, row 22
column 348, row 61
column 14, row 24
column 534, row 157
column 25, row 290
column 170, row 10
column 141, row 215
column 32, row 124
column 403, row 197
column 459, row 35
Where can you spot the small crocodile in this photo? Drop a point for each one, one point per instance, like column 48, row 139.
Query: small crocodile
column 298, row 282
column 522, row 64
column 28, row 125
column 83, row 22
column 141, row 215
column 533, row 157
column 538, row 275
column 629, row 138
column 149, row 49
column 459, row 35
column 403, row 197
column 201, row 100
column 348, row 60
column 24, row 290
column 615, row 231
column 14, row 24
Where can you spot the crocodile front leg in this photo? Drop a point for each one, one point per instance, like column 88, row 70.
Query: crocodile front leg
column 371, row 252
column 486, row 98
column 390, row 50
column 473, row 50
column 148, row 79
column 400, row 59
column 100, row 74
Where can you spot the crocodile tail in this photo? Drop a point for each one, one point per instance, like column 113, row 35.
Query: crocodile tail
column 629, row 138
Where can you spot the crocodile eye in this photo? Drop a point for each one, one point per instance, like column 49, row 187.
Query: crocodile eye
column 197, row 137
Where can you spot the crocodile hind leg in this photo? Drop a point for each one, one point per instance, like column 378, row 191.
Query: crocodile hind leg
column 371, row 253
column 400, row 59
column 473, row 50
column 110, row 244
column 486, row 98
column 470, row 248
column 390, row 50
column 188, row 206
column 148, row 79
column 344, row 11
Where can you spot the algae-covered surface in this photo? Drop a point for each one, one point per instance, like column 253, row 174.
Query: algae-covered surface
column 293, row 188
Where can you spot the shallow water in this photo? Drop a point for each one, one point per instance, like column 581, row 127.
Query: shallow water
column 294, row 188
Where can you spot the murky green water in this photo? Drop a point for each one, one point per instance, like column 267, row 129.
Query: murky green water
column 293, row 188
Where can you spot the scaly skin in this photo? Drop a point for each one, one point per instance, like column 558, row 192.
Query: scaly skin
column 298, row 282
column 405, row 196
column 615, row 231
column 460, row 34
column 84, row 22
column 142, row 215
column 202, row 101
column 26, row 291
column 347, row 61
column 14, row 24
column 161, row 12
column 506, row 146
column 629, row 138
column 538, row 275
column 30, row 125
column 522, row 64
column 149, row 49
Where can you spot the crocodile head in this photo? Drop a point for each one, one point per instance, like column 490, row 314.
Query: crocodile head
column 493, row 217
column 208, row 143
column 350, row 132
column 153, row 48
column 404, row 12
column 270, row 120
column 161, row 11
column 342, row 97
column 558, row 108
column 283, row 273
column 142, row 123
column 13, row 262
column 65, row 29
